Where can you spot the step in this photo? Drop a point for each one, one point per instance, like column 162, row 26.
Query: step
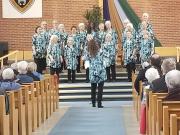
column 88, row 85
column 88, row 96
column 88, row 91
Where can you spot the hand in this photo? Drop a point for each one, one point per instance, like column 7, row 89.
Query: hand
column 61, row 59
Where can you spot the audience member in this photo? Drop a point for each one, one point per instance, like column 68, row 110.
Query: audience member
column 22, row 76
column 172, row 79
column 30, row 70
column 7, row 83
column 159, row 85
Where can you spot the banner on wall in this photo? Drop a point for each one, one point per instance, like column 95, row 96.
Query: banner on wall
column 22, row 8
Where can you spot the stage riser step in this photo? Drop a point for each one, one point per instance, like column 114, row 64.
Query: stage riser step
column 106, row 99
column 89, row 88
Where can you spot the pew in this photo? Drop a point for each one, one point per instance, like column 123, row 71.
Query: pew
column 174, row 124
column 4, row 118
column 160, row 104
column 166, row 118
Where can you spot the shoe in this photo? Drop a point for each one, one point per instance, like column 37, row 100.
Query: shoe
column 93, row 105
column 69, row 81
column 87, row 81
column 101, row 106
column 113, row 80
column 79, row 72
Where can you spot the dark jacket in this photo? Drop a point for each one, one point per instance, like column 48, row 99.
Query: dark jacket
column 140, row 77
column 24, row 78
column 173, row 95
column 159, row 85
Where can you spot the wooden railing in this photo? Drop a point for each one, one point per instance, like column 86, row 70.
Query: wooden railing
column 178, row 53
column 8, row 55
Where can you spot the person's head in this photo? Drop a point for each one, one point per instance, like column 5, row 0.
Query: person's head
column 22, row 67
column 145, row 65
column 14, row 66
column 73, row 29
column 108, row 24
column 155, row 60
column 38, row 30
column 125, row 22
column 89, row 37
column 54, row 39
column 168, row 65
column 55, row 24
column 178, row 66
column 108, row 37
column 61, row 27
column 8, row 74
column 32, row 67
column 128, row 34
column 101, row 26
column 172, row 79
column 70, row 41
column 81, row 26
column 129, row 26
column 44, row 25
column 145, row 17
column 93, row 48
column 152, row 74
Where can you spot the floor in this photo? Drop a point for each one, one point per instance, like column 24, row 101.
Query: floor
column 130, row 122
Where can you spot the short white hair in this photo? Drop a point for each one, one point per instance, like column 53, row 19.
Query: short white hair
column 146, row 14
column 32, row 66
column 130, row 25
column 7, row 73
column 168, row 65
column 14, row 66
column 152, row 74
column 81, row 24
column 60, row 25
column 54, row 38
column 89, row 37
column 145, row 64
column 22, row 67
column 70, row 38
column 107, row 22
column 172, row 79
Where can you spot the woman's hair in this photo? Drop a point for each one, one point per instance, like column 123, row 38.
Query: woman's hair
column 22, row 67
column 73, row 27
column 32, row 67
column 37, row 27
column 93, row 47
column 152, row 74
column 7, row 74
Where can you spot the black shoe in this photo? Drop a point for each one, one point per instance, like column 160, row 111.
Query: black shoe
column 79, row 72
column 69, row 81
column 113, row 80
column 87, row 81
column 101, row 106
column 93, row 105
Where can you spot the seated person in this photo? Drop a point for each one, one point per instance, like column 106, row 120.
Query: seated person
column 159, row 85
column 155, row 61
column 172, row 79
column 141, row 75
column 7, row 82
column 30, row 70
column 178, row 66
column 15, row 68
column 22, row 76
column 151, row 74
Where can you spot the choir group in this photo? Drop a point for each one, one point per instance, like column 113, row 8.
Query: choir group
column 61, row 50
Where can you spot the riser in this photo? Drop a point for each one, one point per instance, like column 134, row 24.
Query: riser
column 105, row 99
column 104, row 93
column 83, row 81
column 84, row 75
column 88, row 88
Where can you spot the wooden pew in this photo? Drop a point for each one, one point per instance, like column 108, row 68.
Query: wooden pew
column 153, row 101
column 166, row 118
column 37, row 94
column 27, row 100
column 4, row 118
column 174, row 124
column 160, row 104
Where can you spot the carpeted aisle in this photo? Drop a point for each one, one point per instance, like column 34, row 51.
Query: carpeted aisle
column 90, row 121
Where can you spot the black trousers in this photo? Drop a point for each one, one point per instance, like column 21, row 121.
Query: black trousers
column 63, row 64
column 130, row 67
column 99, row 94
column 87, row 74
column 71, row 75
column 112, row 68
column 55, row 70
column 79, row 63
column 41, row 64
